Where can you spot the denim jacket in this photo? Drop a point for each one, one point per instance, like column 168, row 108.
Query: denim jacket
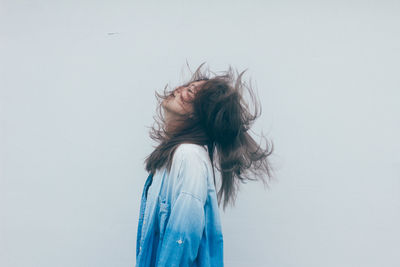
column 179, row 222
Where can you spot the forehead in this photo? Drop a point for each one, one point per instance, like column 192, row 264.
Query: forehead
column 197, row 83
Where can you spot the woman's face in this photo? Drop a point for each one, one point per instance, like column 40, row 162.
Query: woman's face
column 177, row 103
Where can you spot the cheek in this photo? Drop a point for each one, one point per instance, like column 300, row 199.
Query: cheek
column 187, row 107
column 184, row 96
column 187, row 97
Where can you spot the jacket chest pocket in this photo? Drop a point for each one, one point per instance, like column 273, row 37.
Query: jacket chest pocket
column 163, row 215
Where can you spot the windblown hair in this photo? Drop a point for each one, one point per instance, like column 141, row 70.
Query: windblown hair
column 221, row 120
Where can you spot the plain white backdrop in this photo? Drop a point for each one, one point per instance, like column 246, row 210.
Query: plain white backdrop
column 77, row 81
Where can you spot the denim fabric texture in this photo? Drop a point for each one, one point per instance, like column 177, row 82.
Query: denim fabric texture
column 179, row 222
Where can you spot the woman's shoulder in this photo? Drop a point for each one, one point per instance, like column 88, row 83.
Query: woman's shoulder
column 188, row 148
column 189, row 152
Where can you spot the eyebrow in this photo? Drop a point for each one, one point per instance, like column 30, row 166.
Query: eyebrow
column 196, row 87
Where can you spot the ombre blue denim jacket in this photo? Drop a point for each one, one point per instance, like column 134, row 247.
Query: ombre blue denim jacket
column 179, row 222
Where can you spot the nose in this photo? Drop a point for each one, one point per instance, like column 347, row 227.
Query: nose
column 178, row 90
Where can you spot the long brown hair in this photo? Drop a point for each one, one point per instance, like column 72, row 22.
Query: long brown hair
column 221, row 120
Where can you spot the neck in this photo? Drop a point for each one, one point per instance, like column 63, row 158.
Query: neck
column 172, row 121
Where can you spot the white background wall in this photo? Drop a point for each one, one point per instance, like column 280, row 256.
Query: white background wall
column 77, row 83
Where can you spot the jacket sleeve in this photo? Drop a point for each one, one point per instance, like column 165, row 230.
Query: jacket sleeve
column 185, row 226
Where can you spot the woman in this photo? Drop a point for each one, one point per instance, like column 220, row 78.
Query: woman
column 179, row 222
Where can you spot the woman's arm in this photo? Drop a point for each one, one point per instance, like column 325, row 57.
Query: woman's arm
column 185, row 226
column 183, row 232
